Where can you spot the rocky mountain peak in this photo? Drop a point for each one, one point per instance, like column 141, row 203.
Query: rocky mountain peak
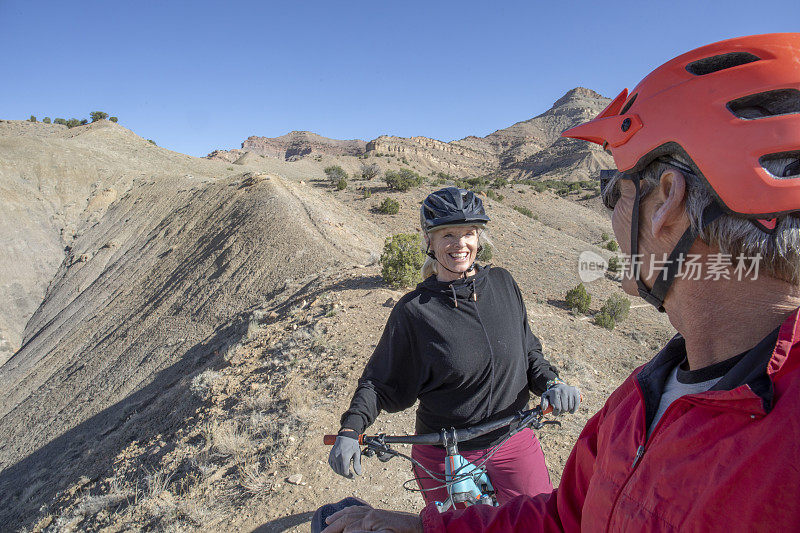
column 578, row 93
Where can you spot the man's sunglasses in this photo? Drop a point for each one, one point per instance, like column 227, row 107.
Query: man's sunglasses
column 610, row 198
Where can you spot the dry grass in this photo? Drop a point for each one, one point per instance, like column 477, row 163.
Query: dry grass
column 254, row 480
column 202, row 385
column 229, row 438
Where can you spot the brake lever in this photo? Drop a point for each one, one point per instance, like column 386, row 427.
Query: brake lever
column 386, row 455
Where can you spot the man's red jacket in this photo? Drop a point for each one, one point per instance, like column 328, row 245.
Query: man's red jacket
column 723, row 460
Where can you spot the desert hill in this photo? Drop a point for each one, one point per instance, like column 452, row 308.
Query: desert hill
column 528, row 149
column 199, row 323
column 54, row 182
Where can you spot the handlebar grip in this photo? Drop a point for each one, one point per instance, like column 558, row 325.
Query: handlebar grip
column 330, row 440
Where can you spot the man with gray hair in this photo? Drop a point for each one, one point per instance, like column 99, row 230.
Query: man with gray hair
column 705, row 203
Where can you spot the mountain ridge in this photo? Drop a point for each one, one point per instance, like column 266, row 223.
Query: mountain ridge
column 520, row 151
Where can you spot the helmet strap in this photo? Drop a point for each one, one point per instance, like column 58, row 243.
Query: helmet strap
column 658, row 293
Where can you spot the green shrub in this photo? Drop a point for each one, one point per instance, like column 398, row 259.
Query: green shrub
column 443, row 176
column 73, row 122
column 611, row 245
column 369, row 171
column 578, row 299
column 500, row 197
column 539, row 186
column 46, row 120
column 402, row 180
column 84, row 121
column 389, row 206
column 401, row 260
column 499, row 182
column 604, row 321
column 335, row 173
column 524, row 210
column 491, row 194
column 617, row 307
column 32, row 119
column 485, row 254
column 341, row 184
column 151, row 141
column 477, row 182
column 614, row 265
column 113, row 119
column 366, row 193
column 615, row 310
column 604, row 236
column 98, row 115
column 60, row 121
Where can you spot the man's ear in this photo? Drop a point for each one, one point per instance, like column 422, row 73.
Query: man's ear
column 672, row 192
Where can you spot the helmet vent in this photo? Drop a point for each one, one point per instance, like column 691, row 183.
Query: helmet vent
column 783, row 165
column 767, row 104
column 629, row 104
column 708, row 65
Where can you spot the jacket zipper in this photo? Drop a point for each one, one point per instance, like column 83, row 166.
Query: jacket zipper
column 640, row 450
column 637, row 458
column 491, row 361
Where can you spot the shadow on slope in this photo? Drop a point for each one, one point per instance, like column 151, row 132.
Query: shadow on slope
column 90, row 449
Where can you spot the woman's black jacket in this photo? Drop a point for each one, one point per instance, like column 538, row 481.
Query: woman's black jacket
column 463, row 348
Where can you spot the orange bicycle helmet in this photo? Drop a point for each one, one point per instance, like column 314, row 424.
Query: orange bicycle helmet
column 700, row 104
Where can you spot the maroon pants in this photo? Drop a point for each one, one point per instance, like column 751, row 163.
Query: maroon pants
column 517, row 468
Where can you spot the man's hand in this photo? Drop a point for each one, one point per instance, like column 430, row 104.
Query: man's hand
column 364, row 518
column 562, row 397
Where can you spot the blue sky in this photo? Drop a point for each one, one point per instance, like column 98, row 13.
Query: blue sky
column 200, row 75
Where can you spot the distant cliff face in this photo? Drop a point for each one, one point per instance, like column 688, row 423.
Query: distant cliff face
column 527, row 149
column 450, row 157
column 292, row 146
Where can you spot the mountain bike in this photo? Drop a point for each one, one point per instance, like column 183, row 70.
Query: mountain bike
column 467, row 482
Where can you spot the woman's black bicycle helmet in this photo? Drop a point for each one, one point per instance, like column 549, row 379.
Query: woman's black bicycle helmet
column 451, row 206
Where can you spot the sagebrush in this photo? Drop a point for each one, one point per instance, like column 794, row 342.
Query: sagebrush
column 579, row 299
column 401, row 260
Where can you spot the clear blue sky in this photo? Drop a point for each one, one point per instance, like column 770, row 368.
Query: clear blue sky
column 199, row 75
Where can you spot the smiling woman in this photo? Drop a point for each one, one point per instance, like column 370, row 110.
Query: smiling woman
column 460, row 344
column 455, row 250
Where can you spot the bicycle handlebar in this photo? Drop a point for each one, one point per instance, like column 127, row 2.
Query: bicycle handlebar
column 461, row 435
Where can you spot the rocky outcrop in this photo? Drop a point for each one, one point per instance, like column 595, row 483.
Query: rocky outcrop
column 229, row 156
column 298, row 144
column 450, row 157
